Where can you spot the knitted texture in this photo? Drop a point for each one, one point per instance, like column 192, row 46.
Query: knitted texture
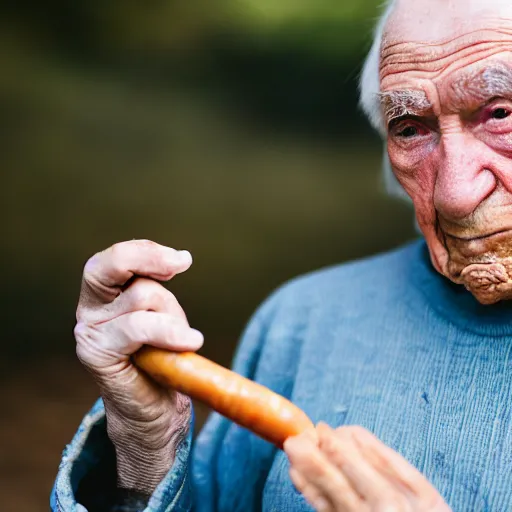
column 386, row 343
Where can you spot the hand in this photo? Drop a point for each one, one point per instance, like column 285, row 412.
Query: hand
column 121, row 308
column 349, row 469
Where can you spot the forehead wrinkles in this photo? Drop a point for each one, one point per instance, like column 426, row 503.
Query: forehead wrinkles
column 397, row 57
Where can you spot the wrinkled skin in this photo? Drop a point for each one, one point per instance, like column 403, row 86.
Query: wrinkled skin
column 454, row 159
column 118, row 313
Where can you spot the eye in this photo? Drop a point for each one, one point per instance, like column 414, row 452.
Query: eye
column 409, row 128
column 500, row 113
column 408, row 132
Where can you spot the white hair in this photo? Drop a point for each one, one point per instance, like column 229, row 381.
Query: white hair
column 369, row 98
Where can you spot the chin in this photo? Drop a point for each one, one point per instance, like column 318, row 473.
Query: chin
column 488, row 282
column 483, row 265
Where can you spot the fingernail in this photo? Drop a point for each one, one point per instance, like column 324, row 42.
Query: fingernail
column 175, row 257
column 190, row 337
column 184, row 256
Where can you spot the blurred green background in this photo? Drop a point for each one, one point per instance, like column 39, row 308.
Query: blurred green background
column 229, row 128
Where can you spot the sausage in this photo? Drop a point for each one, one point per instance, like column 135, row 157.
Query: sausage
column 243, row 401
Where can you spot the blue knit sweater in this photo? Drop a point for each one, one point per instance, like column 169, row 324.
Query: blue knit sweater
column 386, row 343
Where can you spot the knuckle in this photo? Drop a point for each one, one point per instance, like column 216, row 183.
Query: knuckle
column 117, row 254
column 352, row 433
column 79, row 331
column 343, row 433
column 333, row 447
column 151, row 295
column 143, row 242
column 139, row 244
column 91, row 266
column 146, row 293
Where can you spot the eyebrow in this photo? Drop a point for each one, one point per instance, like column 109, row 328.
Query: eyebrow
column 483, row 85
column 404, row 102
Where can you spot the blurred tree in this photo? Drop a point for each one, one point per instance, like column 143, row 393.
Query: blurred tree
column 214, row 126
column 166, row 25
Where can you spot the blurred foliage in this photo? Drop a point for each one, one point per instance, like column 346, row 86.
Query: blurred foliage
column 284, row 11
column 169, row 24
column 229, row 128
column 292, row 63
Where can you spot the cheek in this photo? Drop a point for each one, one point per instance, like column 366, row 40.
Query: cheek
column 414, row 169
column 417, row 176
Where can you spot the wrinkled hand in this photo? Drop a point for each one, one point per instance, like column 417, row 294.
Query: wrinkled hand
column 121, row 308
column 349, row 469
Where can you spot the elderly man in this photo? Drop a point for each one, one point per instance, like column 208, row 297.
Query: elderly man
column 410, row 348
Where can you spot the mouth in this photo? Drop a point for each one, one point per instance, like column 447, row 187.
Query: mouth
column 479, row 248
column 481, row 261
column 486, row 236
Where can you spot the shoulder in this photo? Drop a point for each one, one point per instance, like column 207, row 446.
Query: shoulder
column 382, row 278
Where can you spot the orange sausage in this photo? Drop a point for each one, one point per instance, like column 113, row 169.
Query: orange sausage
column 243, row 401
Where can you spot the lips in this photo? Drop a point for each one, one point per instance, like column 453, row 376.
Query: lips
column 481, row 248
column 479, row 237
column 480, row 260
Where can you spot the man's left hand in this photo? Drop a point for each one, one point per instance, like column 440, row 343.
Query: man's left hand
column 349, row 469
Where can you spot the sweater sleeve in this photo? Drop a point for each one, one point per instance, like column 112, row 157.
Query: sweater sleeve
column 87, row 473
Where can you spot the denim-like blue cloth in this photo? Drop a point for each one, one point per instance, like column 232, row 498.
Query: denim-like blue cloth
column 386, row 343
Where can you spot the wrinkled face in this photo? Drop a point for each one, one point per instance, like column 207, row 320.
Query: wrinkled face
column 446, row 82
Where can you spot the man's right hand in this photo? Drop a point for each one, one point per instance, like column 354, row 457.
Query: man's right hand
column 121, row 308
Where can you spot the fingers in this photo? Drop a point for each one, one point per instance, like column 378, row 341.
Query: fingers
column 113, row 323
column 106, row 272
column 310, row 492
column 341, row 449
column 349, row 469
column 321, row 483
column 142, row 295
column 103, row 345
column 379, row 474
column 129, row 332
column 392, row 465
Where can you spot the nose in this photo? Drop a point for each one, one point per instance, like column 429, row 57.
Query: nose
column 463, row 179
